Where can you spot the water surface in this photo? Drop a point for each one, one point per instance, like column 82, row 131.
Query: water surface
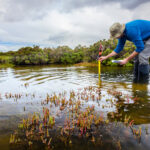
column 23, row 88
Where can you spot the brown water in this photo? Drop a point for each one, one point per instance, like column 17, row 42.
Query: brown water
column 23, row 88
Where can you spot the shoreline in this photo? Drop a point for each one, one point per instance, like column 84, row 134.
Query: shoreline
column 85, row 64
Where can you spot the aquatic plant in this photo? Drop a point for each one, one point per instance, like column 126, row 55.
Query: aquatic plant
column 80, row 119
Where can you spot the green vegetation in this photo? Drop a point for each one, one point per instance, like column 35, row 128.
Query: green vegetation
column 77, row 122
column 5, row 59
column 65, row 55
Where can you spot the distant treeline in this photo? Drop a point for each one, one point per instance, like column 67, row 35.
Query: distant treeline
column 64, row 55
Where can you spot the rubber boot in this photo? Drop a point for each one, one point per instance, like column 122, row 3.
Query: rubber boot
column 143, row 74
column 135, row 73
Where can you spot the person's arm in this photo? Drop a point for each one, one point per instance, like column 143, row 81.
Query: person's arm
column 109, row 55
column 124, row 61
column 135, row 35
column 137, row 40
column 119, row 48
column 120, row 45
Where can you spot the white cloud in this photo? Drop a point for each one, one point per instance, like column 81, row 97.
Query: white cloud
column 5, row 48
column 42, row 22
column 142, row 12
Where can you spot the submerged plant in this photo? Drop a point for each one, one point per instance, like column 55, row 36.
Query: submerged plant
column 80, row 119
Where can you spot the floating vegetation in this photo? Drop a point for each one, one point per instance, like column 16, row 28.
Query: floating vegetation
column 26, row 85
column 10, row 95
column 78, row 116
column 17, row 96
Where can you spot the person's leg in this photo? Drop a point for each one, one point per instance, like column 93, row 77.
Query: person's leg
column 143, row 74
column 135, row 73
column 143, row 68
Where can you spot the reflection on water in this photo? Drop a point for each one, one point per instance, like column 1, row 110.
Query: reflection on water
column 42, row 80
column 76, row 75
column 23, row 88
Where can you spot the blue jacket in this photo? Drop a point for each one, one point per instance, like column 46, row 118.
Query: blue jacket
column 135, row 31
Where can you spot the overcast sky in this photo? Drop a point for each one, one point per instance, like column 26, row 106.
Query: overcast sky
column 52, row 23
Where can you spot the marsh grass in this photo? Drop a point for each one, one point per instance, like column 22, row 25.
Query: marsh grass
column 76, row 122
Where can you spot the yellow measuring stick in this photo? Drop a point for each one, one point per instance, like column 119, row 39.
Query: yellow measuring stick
column 99, row 62
column 99, row 68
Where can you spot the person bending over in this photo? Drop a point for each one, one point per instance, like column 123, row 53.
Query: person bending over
column 138, row 32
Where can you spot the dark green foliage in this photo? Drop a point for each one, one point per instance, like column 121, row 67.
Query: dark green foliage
column 4, row 59
column 65, row 55
column 56, row 54
column 72, row 58
column 30, row 56
column 91, row 53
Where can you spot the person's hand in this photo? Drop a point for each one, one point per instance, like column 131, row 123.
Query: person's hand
column 102, row 58
column 124, row 61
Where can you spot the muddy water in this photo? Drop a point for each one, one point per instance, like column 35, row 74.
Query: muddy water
column 23, row 88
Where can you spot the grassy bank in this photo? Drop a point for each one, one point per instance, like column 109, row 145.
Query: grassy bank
column 6, row 61
column 95, row 64
column 85, row 64
column 6, row 65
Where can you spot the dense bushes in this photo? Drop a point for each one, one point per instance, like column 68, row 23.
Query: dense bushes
column 38, row 56
column 5, row 59
column 30, row 56
column 64, row 55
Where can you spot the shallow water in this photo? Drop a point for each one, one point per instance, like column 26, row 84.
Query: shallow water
column 23, row 88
